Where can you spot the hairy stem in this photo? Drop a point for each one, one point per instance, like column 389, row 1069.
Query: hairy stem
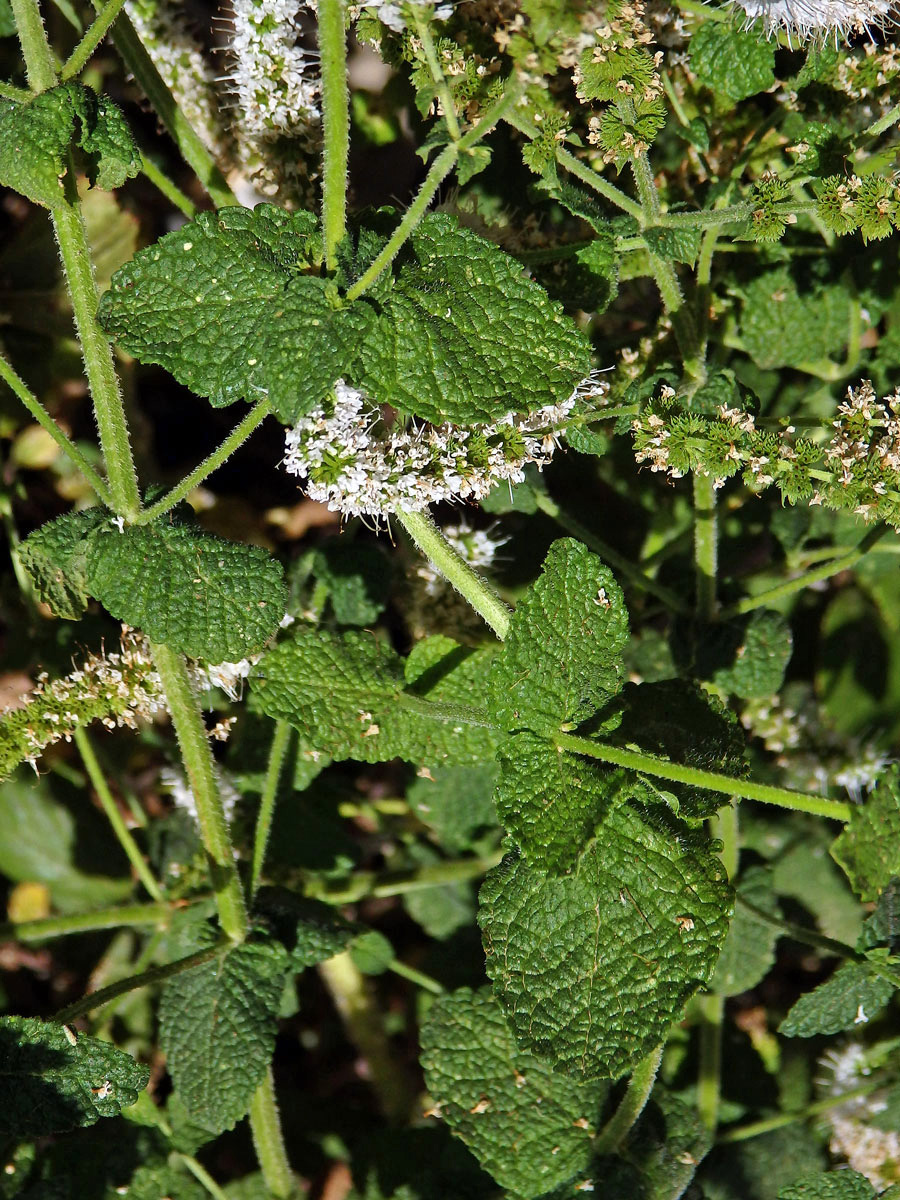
column 614, row 1132
column 351, row 992
column 211, row 463
column 200, row 767
column 118, row 916
column 437, row 173
column 456, row 570
column 43, row 418
column 164, row 184
column 419, row 978
column 423, row 30
column 36, row 51
column 281, row 740
column 335, row 124
column 95, row 34
column 154, row 975
column 746, row 789
column 203, row 1177
column 744, row 1132
column 706, row 546
column 109, row 806
column 265, row 1126
column 365, row 884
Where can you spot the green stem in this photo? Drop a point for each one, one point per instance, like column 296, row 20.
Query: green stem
column 265, row 1126
column 203, row 1177
column 643, row 178
column 706, row 546
column 883, row 124
column 79, row 57
column 201, row 772
column 438, row 172
column 97, row 353
column 744, row 1132
column 116, row 917
column 806, row 937
column 351, row 992
column 36, row 51
column 335, row 125
column 640, row 1085
column 155, row 975
column 109, row 806
column 281, row 740
column 43, row 418
column 423, row 30
column 618, row 561
column 379, row 886
column 417, row 977
column 456, row 570
column 724, row 825
column 163, row 103
column 746, row 789
column 18, row 95
column 236, row 438
column 834, row 567
column 164, row 184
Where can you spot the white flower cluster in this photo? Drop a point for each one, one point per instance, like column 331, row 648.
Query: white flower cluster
column 477, row 547
column 817, row 19
column 357, row 472
column 873, row 1152
column 179, row 58
column 276, row 94
column 396, row 16
column 173, row 781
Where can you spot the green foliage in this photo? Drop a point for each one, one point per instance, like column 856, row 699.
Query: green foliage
column 836, row 1185
column 55, row 558
column 593, row 967
column 733, row 63
column 852, row 996
column 35, row 138
column 760, row 659
column 455, row 804
column 749, row 949
column 358, row 580
column 784, row 325
column 866, row 847
column 55, row 1079
column 529, row 1126
column 197, row 593
column 217, row 1029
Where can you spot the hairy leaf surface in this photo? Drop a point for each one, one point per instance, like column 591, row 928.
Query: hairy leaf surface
column 835, row 1185
column 53, row 1079
column 529, row 1126
column 592, row 968
column 869, row 847
column 55, row 558
column 852, row 996
column 197, row 593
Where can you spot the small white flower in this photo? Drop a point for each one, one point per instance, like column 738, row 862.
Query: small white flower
column 816, row 19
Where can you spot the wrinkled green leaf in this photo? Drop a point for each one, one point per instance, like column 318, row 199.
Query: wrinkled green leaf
column 760, row 659
column 868, row 849
column 53, row 1079
column 852, row 997
column 455, row 803
column 835, row 1185
column 194, row 592
column 749, row 949
column 732, row 62
column 55, row 558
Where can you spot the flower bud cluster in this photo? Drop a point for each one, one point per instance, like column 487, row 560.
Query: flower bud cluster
column 859, row 469
column 352, row 462
column 871, row 205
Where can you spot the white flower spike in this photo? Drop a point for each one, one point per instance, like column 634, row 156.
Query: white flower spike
column 817, row 20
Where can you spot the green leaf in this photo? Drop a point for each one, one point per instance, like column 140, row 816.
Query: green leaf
column 217, row 1029
column 372, row 952
column 347, row 694
column 358, row 578
column 666, row 1146
column 852, row 996
column 53, row 1079
column 835, row 1185
column 223, row 305
column 673, row 244
column 456, row 804
column 441, row 911
column 806, row 873
column 734, row 63
column 551, row 801
column 153, row 1182
column 869, row 847
column 749, row 949
column 530, row 1126
column 592, row 968
column 190, row 590
column 562, row 657
column 35, row 138
column 7, row 20
column 782, row 326
column 310, row 931
column 54, row 557
column 428, row 354
column 761, row 658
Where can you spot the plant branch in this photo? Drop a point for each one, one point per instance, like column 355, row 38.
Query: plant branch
column 39, row 66
column 43, row 418
column 265, row 1127
column 335, row 124
column 115, row 917
column 419, row 978
column 437, row 173
column 203, row 1177
column 423, row 30
column 706, row 546
column 10, row 92
column 365, row 884
column 95, row 34
column 281, row 740
column 164, row 184
column 109, row 806
column 640, row 1085
column 211, row 463
column 745, row 789
column 201, row 772
column 743, row 1133
column 103, row 996
column 724, row 826
column 456, row 570
column 834, row 567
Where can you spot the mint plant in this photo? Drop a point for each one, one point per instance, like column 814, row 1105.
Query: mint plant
column 545, row 849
